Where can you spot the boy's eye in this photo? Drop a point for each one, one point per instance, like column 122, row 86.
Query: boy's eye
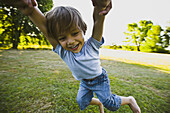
column 75, row 33
column 61, row 38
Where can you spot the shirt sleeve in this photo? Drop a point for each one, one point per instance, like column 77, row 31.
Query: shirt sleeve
column 94, row 43
column 59, row 50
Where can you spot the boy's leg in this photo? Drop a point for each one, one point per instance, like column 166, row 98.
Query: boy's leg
column 84, row 96
column 131, row 102
column 102, row 90
column 96, row 101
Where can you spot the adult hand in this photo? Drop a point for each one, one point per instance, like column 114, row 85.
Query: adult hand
column 25, row 6
column 105, row 5
column 20, row 3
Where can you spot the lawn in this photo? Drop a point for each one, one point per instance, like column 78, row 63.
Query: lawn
column 39, row 81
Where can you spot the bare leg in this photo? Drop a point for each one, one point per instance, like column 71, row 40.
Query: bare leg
column 131, row 102
column 95, row 101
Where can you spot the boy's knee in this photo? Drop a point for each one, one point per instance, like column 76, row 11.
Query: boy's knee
column 112, row 103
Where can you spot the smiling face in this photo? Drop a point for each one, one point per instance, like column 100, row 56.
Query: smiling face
column 72, row 41
column 66, row 25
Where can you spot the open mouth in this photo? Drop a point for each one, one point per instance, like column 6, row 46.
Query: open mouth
column 74, row 47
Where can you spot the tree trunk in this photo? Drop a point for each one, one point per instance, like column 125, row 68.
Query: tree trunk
column 136, row 43
column 16, row 34
column 14, row 44
column 15, row 39
column 138, row 49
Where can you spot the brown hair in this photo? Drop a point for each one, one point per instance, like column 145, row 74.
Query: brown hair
column 62, row 19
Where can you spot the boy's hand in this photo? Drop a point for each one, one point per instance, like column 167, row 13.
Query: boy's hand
column 25, row 6
column 106, row 5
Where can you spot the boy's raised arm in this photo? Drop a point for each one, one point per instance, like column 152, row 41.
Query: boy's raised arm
column 98, row 24
column 38, row 18
column 28, row 8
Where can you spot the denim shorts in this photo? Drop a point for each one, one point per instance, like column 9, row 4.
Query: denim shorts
column 101, row 87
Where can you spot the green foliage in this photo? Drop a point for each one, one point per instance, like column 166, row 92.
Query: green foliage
column 153, row 39
column 114, row 46
column 147, row 37
column 13, row 25
column 137, row 33
column 129, row 48
column 166, row 36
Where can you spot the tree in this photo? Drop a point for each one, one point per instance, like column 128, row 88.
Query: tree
column 147, row 36
column 166, row 36
column 136, row 34
column 13, row 24
column 153, row 40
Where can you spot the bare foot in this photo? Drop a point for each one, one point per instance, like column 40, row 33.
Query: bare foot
column 133, row 105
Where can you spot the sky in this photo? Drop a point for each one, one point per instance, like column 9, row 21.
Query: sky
column 122, row 13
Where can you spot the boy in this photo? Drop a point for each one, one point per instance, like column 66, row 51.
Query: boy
column 65, row 30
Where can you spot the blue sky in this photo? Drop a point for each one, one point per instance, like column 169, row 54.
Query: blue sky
column 122, row 13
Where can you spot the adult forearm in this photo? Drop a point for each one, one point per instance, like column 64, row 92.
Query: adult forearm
column 20, row 3
column 38, row 18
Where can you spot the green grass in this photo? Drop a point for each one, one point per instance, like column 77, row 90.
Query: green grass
column 39, row 81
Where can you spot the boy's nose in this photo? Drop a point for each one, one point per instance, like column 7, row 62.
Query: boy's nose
column 70, row 41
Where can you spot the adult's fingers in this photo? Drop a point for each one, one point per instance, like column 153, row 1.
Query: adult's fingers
column 20, row 3
column 106, row 10
column 93, row 2
column 34, row 3
column 29, row 3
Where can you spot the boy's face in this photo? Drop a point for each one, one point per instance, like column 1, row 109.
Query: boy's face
column 72, row 41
